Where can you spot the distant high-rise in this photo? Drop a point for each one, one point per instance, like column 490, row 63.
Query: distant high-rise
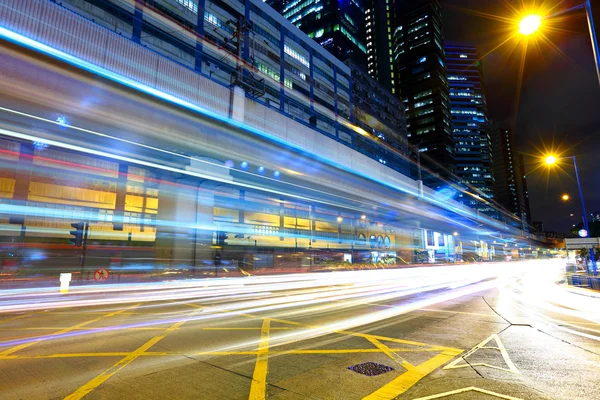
column 526, row 211
column 420, row 69
column 510, row 179
column 379, row 23
column 338, row 26
column 472, row 144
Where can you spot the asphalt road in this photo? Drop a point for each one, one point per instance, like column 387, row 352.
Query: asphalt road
column 472, row 332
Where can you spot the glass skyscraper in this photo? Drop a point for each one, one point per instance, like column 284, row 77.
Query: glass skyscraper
column 419, row 64
column 472, row 144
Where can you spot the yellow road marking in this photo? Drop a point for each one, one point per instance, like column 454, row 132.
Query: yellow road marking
column 258, row 387
column 62, row 331
column 215, row 353
column 388, row 352
column 469, row 389
column 511, row 367
column 104, row 376
column 405, row 381
column 362, row 335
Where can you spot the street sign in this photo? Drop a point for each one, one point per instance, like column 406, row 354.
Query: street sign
column 101, row 274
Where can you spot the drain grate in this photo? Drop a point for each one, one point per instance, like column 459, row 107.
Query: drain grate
column 370, row 368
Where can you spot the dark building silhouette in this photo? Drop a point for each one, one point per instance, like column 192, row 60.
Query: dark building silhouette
column 379, row 112
column 510, row 179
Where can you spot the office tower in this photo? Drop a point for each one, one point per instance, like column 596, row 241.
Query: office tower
column 340, row 28
column 379, row 24
column 472, row 144
column 419, row 64
column 526, row 208
column 337, row 26
column 510, row 184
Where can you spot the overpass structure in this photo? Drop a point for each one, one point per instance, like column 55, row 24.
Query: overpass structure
column 170, row 167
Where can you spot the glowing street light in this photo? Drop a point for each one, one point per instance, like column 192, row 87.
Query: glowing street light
column 550, row 160
column 565, row 197
column 530, row 24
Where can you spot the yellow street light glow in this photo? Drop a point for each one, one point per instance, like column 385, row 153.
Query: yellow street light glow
column 530, row 24
column 550, row 160
column 565, row 197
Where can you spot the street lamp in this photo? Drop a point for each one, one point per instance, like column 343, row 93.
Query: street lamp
column 565, row 197
column 531, row 23
column 550, row 161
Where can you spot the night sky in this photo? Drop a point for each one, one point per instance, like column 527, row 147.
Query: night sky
column 558, row 102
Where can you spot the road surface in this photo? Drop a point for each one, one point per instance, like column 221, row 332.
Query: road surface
column 502, row 331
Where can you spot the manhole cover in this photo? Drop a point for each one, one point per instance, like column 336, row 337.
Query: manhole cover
column 370, row 368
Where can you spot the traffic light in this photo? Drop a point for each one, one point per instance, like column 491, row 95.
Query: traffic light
column 77, row 234
column 221, row 238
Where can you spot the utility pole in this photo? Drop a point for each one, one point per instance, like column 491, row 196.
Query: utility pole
column 84, row 248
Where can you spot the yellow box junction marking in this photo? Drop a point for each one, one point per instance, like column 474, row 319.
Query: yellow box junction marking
column 500, row 347
column 14, row 349
column 397, row 386
column 104, row 376
column 258, row 387
column 413, row 373
column 468, row 389
column 405, row 381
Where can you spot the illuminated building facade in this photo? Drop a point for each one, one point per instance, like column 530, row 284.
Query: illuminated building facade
column 420, row 68
column 337, row 25
column 379, row 24
column 242, row 43
column 122, row 199
column 155, row 158
column 472, row 143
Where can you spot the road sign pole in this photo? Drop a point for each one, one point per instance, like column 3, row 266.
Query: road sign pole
column 84, row 248
column 585, row 220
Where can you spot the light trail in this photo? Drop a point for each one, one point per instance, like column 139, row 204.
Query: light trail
column 311, row 293
column 537, row 294
column 22, row 40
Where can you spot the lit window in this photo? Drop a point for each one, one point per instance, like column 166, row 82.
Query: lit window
column 190, row 5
